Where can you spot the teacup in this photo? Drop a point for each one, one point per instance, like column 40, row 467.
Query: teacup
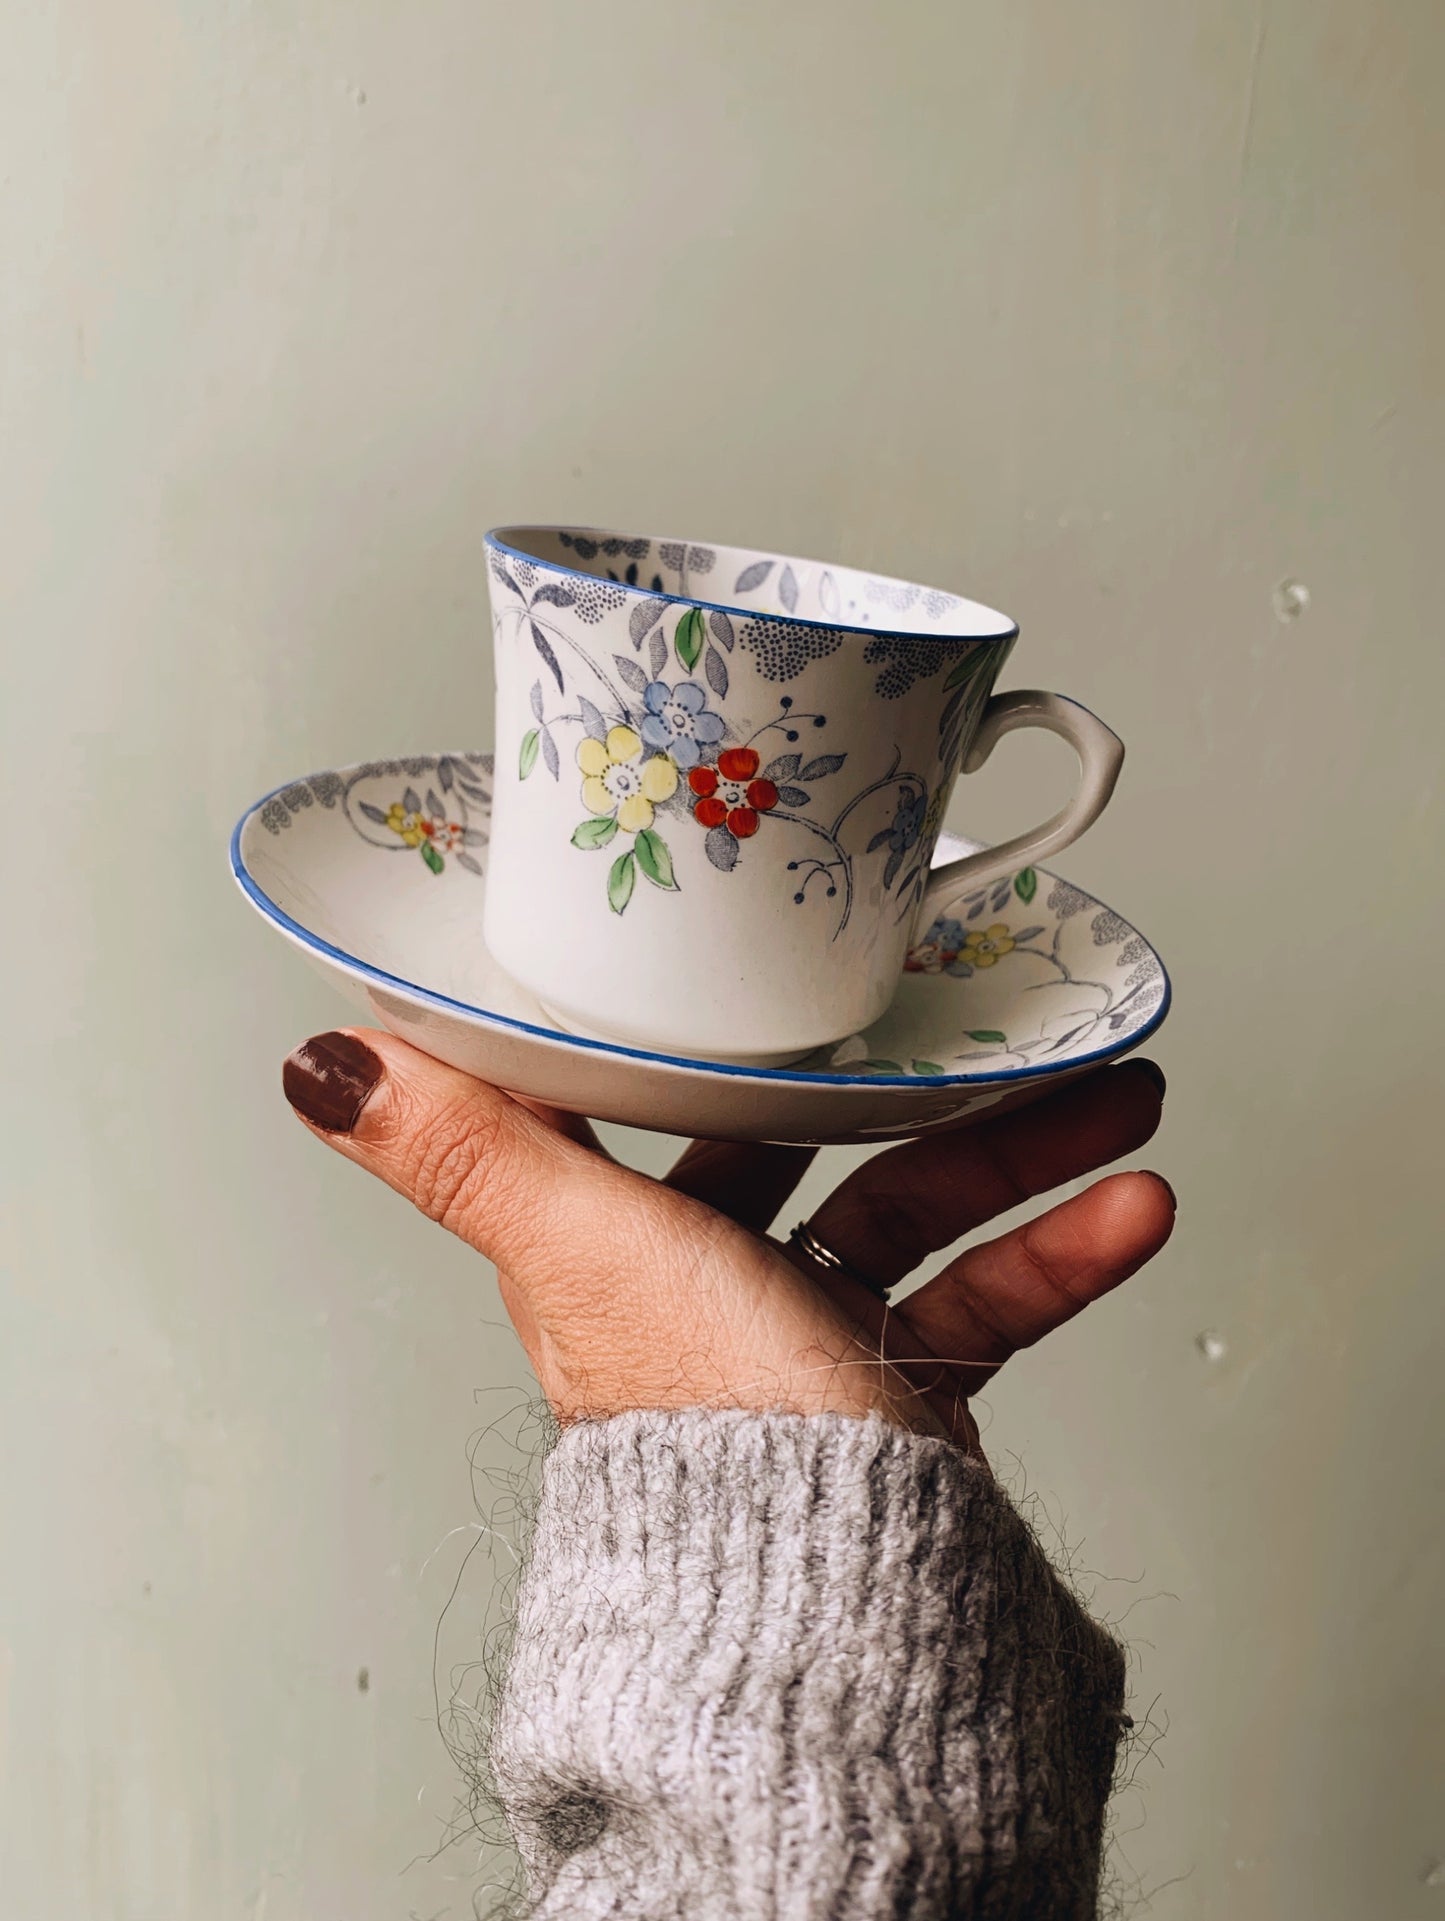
column 720, row 775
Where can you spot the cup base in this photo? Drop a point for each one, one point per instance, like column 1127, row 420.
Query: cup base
column 571, row 1026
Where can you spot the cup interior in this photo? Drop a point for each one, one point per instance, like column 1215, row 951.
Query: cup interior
column 745, row 580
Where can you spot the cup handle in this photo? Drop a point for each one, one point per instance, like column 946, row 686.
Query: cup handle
column 1101, row 754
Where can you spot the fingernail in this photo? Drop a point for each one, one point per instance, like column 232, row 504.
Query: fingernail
column 329, row 1079
column 1173, row 1197
column 1155, row 1073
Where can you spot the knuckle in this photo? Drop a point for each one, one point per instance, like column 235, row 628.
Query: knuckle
column 1049, row 1274
column 456, row 1161
column 902, row 1209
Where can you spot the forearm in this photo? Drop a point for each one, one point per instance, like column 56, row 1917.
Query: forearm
column 769, row 1667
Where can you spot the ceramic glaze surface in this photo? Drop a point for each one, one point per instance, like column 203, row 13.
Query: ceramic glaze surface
column 731, row 803
column 378, row 872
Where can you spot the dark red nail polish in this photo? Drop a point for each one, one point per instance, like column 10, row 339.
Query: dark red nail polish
column 1155, row 1073
column 329, row 1080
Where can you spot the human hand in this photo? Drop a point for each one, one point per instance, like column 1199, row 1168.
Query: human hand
column 629, row 1292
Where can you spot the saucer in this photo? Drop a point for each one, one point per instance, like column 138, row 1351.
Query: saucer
column 377, row 873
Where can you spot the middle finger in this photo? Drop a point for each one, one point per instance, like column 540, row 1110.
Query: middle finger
column 909, row 1202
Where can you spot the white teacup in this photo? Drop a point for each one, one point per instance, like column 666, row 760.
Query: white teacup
column 719, row 779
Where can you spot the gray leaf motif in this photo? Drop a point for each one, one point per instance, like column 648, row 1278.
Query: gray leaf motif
column 631, row 673
column 788, row 589
column 795, row 797
column 824, row 764
column 785, row 767
column 657, row 654
column 504, row 578
column 536, row 699
column 716, row 669
column 544, row 648
column 549, row 754
column 752, row 576
column 411, row 801
column 1028, row 933
column 722, row 849
column 592, row 719
column 722, row 628
column 472, row 866
column 446, row 774
column 372, row 813
column 828, row 594
column 643, row 618
column 433, row 804
column 557, row 596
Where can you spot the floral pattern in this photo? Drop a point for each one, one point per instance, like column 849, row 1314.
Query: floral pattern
column 655, row 742
column 983, row 949
column 1078, row 1005
column 656, row 738
column 1060, row 980
column 619, row 783
column 947, row 948
column 440, row 826
column 678, row 722
column 731, row 799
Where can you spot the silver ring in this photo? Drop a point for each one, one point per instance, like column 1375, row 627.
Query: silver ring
column 821, row 1255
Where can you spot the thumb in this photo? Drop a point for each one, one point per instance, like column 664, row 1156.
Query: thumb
column 466, row 1154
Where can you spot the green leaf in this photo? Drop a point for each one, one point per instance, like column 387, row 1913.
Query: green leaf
column 654, row 859
column 987, row 1034
column 527, row 759
column 432, row 858
column 621, row 881
column 884, row 1067
column 690, row 637
column 595, row 832
column 928, row 1067
column 1026, row 884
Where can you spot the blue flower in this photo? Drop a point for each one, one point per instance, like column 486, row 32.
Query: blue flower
column 678, row 722
column 907, row 822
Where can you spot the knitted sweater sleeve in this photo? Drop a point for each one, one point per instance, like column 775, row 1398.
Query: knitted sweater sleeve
column 770, row 1667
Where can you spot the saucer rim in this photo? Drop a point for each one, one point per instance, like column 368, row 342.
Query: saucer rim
column 272, row 911
column 493, row 538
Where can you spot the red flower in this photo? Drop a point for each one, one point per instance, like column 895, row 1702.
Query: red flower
column 730, row 794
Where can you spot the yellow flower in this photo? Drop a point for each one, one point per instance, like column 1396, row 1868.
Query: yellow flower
column 982, row 949
column 409, row 826
column 618, row 781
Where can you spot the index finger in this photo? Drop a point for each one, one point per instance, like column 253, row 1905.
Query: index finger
column 746, row 1180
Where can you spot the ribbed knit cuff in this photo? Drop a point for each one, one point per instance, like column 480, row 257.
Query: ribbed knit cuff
column 775, row 1666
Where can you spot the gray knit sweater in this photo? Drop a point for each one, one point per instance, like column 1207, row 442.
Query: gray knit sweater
column 776, row 1668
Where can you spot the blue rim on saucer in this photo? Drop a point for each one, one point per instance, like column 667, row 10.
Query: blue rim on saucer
column 288, row 799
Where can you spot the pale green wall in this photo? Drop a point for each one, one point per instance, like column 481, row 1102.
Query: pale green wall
column 1118, row 315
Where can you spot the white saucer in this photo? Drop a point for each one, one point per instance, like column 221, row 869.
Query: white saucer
column 377, row 873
